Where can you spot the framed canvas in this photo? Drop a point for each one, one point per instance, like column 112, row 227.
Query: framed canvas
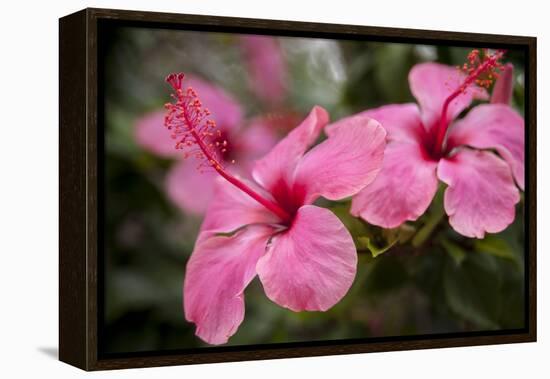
column 240, row 189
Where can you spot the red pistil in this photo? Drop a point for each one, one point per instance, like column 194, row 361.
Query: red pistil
column 475, row 69
column 188, row 121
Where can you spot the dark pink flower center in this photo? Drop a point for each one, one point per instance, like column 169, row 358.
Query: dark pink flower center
column 480, row 71
column 289, row 197
column 192, row 129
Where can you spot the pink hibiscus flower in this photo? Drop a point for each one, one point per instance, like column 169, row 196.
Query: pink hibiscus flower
column 304, row 256
column 427, row 144
column 186, row 186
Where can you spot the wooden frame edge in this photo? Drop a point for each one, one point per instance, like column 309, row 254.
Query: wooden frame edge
column 72, row 190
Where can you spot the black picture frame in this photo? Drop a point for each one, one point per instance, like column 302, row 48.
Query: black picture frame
column 80, row 183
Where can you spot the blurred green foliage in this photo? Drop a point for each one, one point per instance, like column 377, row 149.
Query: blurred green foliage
column 421, row 278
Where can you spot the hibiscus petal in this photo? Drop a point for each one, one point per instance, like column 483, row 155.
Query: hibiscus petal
column 230, row 208
column 432, row 83
column 188, row 188
column 267, row 67
column 403, row 189
column 481, row 196
column 279, row 164
column 343, row 164
column 217, row 273
column 258, row 138
column 225, row 110
column 310, row 266
column 494, row 126
column 151, row 134
column 401, row 121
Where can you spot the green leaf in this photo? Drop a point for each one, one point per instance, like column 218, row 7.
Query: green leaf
column 375, row 250
column 473, row 290
column 381, row 240
column 369, row 237
column 404, row 232
column 456, row 252
column 496, row 246
column 432, row 219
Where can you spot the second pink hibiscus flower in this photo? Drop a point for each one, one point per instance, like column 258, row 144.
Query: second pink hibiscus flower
column 425, row 145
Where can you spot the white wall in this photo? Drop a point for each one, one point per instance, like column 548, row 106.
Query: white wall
column 28, row 193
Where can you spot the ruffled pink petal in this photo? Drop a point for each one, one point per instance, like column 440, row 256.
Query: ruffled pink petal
column 230, row 208
column 494, row 126
column 267, row 67
column 431, row 83
column 226, row 111
column 188, row 188
column 151, row 134
column 481, row 196
column 343, row 164
column 279, row 164
column 311, row 266
column 217, row 273
column 504, row 86
column 403, row 189
column 401, row 121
